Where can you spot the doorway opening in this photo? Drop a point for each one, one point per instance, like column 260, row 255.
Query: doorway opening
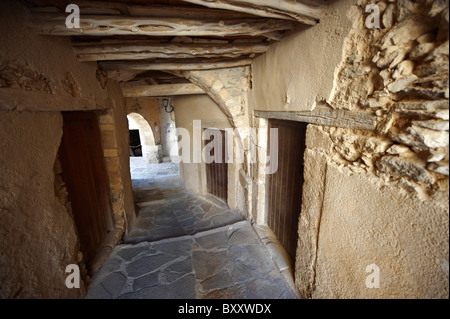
column 143, row 149
column 84, row 173
column 135, row 143
column 284, row 187
column 142, row 140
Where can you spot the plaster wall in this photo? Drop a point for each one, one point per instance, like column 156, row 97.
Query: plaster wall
column 37, row 234
column 369, row 197
column 29, row 61
column 298, row 71
column 40, row 77
column 351, row 221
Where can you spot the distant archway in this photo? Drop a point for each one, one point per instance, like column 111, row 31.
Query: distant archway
column 149, row 147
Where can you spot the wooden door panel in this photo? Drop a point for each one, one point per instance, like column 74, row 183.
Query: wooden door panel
column 84, row 173
column 284, row 187
column 217, row 172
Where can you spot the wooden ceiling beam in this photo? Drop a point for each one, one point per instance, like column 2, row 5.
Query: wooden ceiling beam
column 174, row 66
column 279, row 9
column 104, row 25
column 150, row 10
column 184, row 12
column 134, row 90
column 141, row 51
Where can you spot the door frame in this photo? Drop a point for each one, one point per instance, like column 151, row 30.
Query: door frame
column 261, row 192
column 107, row 215
column 204, row 168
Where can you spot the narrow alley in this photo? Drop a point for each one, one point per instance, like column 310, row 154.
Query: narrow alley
column 187, row 247
column 312, row 138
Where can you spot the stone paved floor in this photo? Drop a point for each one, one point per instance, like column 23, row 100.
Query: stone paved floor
column 186, row 247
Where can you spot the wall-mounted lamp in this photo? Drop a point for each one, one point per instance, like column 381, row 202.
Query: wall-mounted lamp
column 168, row 107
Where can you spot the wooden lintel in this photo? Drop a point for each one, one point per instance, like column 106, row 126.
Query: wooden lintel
column 104, row 25
column 279, row 9
column 139, row 51
column 325, row 116
column 133, row 90
column 173, row 66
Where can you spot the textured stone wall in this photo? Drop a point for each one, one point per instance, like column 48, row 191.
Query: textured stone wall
column 37, row 235
column 381, row 197
column 398, row 72
column 39, row 78
column 228, row 88
column 115, row 142
column 377, row 195
column 351, row 220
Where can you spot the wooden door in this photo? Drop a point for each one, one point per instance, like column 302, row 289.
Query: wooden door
column 217, row 171
column 83, row 171
column 284, row 187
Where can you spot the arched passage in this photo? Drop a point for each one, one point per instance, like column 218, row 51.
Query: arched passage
column 149, row 147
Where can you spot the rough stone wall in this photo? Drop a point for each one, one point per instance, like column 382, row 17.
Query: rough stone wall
column 374, row 195
column 383, row 194
column 228, row 88
column 38, row 236
column 113, row 169
column 115, row 142
column 351, row 220
column 400, row 73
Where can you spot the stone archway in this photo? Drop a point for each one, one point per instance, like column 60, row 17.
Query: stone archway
column 229, row 89
column 150, row 151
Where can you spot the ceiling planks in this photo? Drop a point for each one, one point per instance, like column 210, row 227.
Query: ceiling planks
column 107, row 25
column 139, row 51
column 174, row 66
column 279, row 9
column 145, row 40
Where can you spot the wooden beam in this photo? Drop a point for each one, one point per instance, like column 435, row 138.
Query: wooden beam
column 151, row 10
column 323, row 115
column 184, row 12
column 130, row 90
column 143, row 50
column 103, row 25
column 172, row 66
column 278, row 9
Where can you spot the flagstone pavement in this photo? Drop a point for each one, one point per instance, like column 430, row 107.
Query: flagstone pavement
column 184, row 246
